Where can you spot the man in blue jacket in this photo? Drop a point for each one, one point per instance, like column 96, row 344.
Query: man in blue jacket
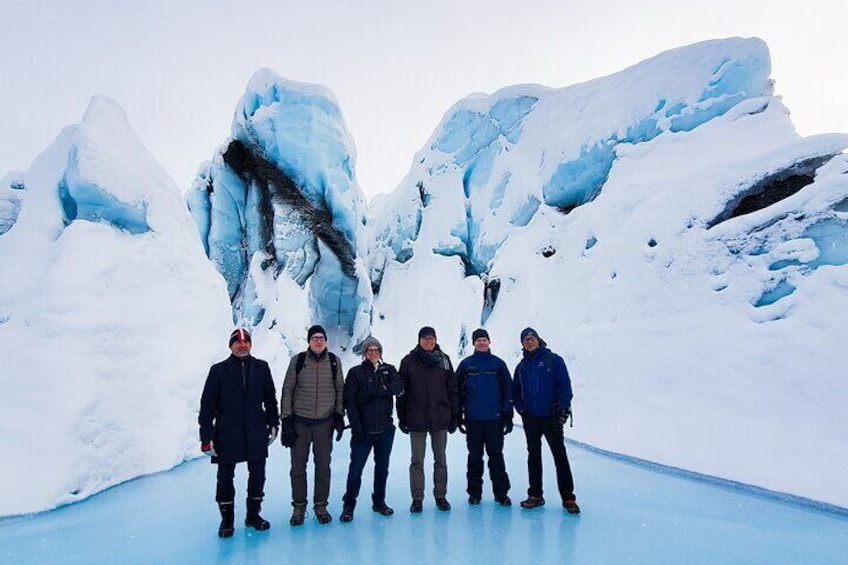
column 485, row 401
column 542, row 395
column 238, row 420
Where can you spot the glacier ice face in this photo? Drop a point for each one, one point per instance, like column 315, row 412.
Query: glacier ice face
column 284, row 187
column 12, row 190
column 110, row 316
column 666, row 230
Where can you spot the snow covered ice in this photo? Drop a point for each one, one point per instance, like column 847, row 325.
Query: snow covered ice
column 664, row 228
column 109, row 316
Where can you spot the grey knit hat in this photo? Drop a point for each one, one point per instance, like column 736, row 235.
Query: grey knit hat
column 371, row 342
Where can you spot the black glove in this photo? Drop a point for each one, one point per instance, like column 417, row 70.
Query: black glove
column 454, row 424
column 402, row 425
column 506, row 422
column 460, row 425
column 563, row 416
column 338, row 425
column 287, row 433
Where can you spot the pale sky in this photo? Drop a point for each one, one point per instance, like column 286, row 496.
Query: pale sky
column 178, row 67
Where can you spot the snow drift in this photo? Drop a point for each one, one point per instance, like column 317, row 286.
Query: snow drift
column 109, row 318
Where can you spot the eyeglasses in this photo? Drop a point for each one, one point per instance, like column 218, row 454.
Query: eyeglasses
column 530, row 338
column 318, row 338
column 372, row 350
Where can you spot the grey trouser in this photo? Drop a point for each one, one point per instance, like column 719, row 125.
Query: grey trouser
column 439, row 443
column 320, row 437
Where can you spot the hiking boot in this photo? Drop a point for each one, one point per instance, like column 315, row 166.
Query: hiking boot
column 298, row 514
column 533, row 502
column 473, row 500
column 253, row 519
column 503, row 500
column 322, row 515
column 417, row 507
column 442, row 504
column 571, row 506
column 347, row 514
column 382, row 509
column 228, row 516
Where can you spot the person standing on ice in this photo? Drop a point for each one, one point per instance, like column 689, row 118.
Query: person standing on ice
column 485, row 401
column 369, row 392
column 238, row 421
column 311, row 408
column 542, row 395
column 429, row 405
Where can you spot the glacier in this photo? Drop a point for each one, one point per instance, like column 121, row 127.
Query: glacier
column 110, row 315
column 667, row 231
column 664, row 228
column 279, row 203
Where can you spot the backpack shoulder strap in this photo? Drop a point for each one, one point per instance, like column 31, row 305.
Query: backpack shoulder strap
column 334, row 364
column 299, row 364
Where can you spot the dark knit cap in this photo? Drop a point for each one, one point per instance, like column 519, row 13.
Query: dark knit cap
column 239, row 334
column 529, row 331
column 316, row 329
column 426, row 331
column 478, row 333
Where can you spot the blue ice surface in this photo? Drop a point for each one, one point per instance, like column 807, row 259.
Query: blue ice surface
column 633, row 512
column 831, row 239
column 578, row 181
column 467, row 132
column 82, row 200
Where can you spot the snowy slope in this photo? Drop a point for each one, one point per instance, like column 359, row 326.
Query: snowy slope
column 669, row 233
column 109, row 317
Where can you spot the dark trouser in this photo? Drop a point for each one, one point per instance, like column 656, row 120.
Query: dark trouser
column 534, row 428
column 320, row 437
column 226, row 492
column 439, row 444
column 488, row 434
column 382, row 445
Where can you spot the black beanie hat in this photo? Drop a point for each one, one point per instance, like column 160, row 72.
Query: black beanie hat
column 316, row 329
column 478, row 333
column 426, row 331
column 239, row 334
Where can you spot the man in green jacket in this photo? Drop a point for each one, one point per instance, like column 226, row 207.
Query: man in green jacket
column 311, row 408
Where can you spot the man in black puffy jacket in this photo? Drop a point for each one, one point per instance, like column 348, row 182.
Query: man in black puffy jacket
column 238, row 420
column 369, row 392
column 429, row 405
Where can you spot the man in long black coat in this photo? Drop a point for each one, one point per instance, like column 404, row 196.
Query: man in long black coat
column 238, row 421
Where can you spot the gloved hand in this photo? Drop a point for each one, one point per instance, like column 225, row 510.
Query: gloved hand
column 209, row 449
column 272, row 434
column 402, row 425
column 287, row 433
column 338, row 425
column 563, row 416
column 454, row 424
column 461, row 425
column 506, row 423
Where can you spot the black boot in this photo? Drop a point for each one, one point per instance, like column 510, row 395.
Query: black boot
column 253, row 519
column 347, row 512
column 298, row 514
column 228, row 517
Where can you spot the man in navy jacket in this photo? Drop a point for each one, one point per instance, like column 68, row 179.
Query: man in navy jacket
column 238, row 420
column 542, row 395
column 485, row 401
